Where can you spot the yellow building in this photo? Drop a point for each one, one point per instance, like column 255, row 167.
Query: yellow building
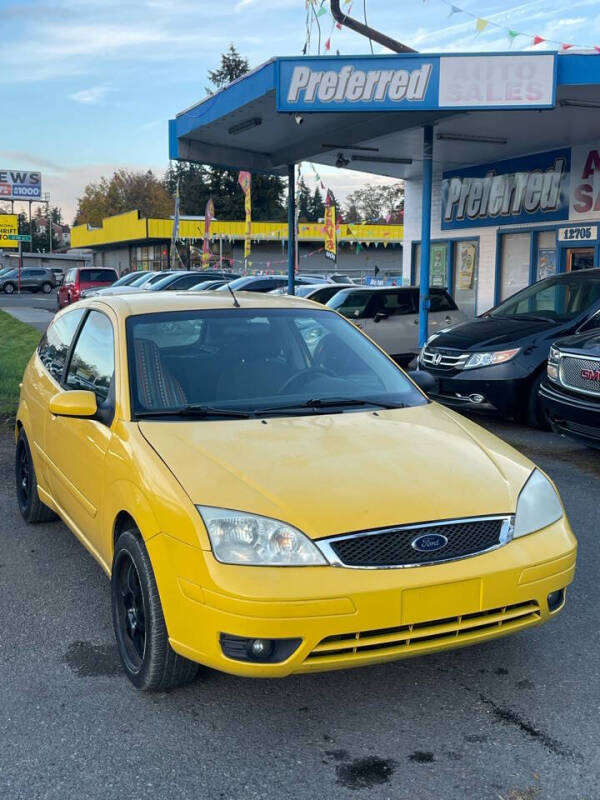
column 128, row 241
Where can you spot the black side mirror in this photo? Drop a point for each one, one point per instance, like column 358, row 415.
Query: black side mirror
column 379, row 316
column 424, row 380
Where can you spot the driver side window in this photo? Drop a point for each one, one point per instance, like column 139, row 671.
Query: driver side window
column 92, row 365
column 591, row 324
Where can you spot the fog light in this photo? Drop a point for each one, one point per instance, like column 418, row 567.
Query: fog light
column 260, row 649
column 272, row 651
column 556, row 599
column 477, row 398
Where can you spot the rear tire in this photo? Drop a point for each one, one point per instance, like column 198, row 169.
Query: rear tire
column 536, row 417
column 148, row 659
column 31, row 507
column 9, row 288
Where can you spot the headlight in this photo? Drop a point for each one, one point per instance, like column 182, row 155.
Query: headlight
column 553, row 360
column 240, row 538
column 538, row 505
column 488, row 359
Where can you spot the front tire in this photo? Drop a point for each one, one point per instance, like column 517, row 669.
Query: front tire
column 9, row 288
column 31, row 507
column 46, row 288
column 536, row 418
column 148, row 659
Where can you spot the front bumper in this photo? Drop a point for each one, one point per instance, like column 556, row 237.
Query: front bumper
column 355, row 617
column 574, row 416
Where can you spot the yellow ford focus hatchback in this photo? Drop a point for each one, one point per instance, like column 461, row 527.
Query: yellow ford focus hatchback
column 270, row 494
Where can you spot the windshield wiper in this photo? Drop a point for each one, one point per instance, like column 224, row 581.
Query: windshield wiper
column 329, row 402
column 195, row 411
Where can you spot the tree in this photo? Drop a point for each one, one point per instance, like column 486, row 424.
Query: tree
column 317, row 206
column 233, row 66
column 124, row 191
column 303, row 201
column 376, row 203
column 198, row 182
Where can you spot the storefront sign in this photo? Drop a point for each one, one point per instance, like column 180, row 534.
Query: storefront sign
column 585, row 182
column 528, row 189
column 416, row 82
column 19, row 185
column 579, row 233
column 8, row 227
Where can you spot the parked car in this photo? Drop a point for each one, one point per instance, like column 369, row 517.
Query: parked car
column 124, row 280
column 81, row 278
column 334, row 277
column 570, row 395
column 207, row 286
column 138, row 284
column 179, row 435
column 390, row 315
column 321, row 293
column 33, row 279
column 59, row 275
column 181, row 281
column 497, row 362
column 261, row 283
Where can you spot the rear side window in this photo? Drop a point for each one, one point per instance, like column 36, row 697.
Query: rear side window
column 395, row 303
column 97, row 275
column 185, row 282
column 92, row 364
column 440, row 301
column 55, row 343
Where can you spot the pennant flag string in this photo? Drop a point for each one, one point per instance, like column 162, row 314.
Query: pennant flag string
column 481, row 24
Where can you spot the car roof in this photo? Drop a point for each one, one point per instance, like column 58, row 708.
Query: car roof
column 126, row 305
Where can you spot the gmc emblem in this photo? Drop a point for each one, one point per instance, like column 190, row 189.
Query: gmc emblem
column 591, row 374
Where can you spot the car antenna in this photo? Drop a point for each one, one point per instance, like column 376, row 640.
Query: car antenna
column 235, row 300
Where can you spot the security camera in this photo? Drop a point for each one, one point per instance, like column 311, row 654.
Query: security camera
column 299, row 119
column 341, row 161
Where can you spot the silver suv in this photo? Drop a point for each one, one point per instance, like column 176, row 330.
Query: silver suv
column 33, row 279
column 390, row 315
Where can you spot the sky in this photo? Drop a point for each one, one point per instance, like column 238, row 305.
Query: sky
column 87, row 86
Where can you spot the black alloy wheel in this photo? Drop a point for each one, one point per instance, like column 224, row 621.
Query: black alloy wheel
column 148, row 659
column 31, row 507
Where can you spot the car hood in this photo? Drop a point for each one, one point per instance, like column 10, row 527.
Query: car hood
column 490, row 332
column 335, row 473
column 586, row 343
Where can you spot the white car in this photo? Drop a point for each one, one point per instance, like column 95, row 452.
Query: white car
column 390, row 315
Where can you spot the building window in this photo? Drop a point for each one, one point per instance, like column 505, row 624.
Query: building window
column 515, row 263
column 546, row 255
column 466, row 269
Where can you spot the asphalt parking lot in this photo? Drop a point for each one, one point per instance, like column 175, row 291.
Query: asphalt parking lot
column 516, row 719
column 35, row 309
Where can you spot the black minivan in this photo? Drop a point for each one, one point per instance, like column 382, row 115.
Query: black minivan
column 497, row 362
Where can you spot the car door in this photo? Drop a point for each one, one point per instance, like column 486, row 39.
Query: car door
column 77, row 448
column 44, row 375
column 391, row 321
column 442, row 311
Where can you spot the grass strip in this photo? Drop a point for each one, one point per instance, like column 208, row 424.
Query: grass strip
column 17, row 342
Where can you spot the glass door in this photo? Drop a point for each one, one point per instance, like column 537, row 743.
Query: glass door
column 580, row 258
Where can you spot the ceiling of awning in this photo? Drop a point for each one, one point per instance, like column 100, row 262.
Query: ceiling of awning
column 207, row 132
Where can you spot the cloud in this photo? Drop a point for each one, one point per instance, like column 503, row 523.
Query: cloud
column 93, row 95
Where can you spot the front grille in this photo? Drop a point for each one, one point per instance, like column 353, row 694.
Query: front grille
column 422, row 635
column 393, row 547
column 571, row 369
column 437, row 358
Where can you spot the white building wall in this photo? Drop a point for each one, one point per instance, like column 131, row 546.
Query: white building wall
column 412, row 233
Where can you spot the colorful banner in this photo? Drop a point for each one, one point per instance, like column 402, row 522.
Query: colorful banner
column 209, row 213
column 245, row 181
column 8, row 227
column 438, row 257
column 465, row 265
column 329, row 229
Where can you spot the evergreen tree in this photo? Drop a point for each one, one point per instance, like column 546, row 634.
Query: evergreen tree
column 303, row 201
column 233, row 66
column 317, row 206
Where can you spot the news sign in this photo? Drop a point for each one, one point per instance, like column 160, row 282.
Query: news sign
column 410, row 82
column 17, row 184
column 526, row 189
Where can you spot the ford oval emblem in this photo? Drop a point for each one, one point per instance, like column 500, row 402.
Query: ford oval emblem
column 429, row 542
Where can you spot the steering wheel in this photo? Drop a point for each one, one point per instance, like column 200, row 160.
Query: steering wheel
column 306, row 374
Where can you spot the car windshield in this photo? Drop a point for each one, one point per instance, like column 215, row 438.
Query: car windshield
column 263, row 362
column 350, row 303
column 559, row 298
